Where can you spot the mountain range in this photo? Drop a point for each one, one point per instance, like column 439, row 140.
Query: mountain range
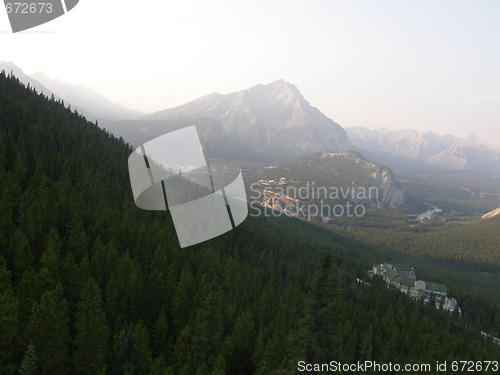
column 87, row 98
column 266, row 124
column 272, row 124
column 425, row 150
column 88, row 102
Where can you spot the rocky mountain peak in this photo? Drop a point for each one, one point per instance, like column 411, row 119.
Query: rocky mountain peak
column 273, row 119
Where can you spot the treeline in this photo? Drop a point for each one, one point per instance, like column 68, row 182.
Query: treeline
column 89, row 284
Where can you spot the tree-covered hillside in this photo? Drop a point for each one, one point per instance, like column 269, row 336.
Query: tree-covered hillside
column 90, row 284
column 474, row 241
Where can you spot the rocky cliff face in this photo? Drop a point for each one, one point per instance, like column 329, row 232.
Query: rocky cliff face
column 391, row 194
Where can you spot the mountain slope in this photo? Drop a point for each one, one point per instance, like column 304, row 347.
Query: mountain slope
column 408, row 143
column 85, row 100
column 439, row 151
column 272, row 119
column 216, row 144
column 470, row 156
column 474, row 242
column 11, row 68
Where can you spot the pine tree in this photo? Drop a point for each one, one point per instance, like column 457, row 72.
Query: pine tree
column 243, row 340
column 208, row 325
column 219, row 367
column 70, row 277
column 8, row 319
column 319, row 324
column 160, row 367
column 144, row 356
column 366, row 351
column 183, row 299
column 91, row 331
column 23, row 259
column 183, row 352
column 49, row 333
column 161, row 336
column 8, row 199
column 50, row 258
column 77, row 241
column 28, row 365
column 126, row 353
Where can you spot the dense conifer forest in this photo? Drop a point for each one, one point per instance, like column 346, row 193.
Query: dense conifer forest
column 90, row 284
column 473, row 241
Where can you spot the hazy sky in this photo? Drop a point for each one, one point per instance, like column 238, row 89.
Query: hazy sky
column 426, row 64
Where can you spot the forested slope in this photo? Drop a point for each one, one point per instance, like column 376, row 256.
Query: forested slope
column 90, row 284
column 475, row 242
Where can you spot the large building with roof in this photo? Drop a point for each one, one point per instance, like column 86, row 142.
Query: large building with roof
column 404, row 277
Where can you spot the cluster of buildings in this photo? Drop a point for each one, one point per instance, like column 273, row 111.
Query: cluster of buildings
column 404, row 277
column 281, row 181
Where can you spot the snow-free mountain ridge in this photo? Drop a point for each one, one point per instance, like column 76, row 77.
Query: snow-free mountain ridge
column 84, row 99
column 87, row 98
column 272, row 119
column 272, row 123
column 440, row 151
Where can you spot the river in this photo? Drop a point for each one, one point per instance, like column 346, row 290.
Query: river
column 428, row 214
